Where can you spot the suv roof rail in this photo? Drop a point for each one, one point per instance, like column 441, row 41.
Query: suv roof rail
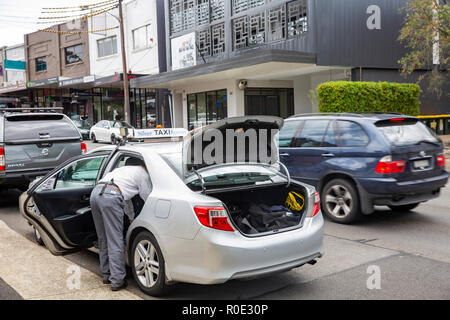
column 344, row 114
column 31, row 109
column 378, row 112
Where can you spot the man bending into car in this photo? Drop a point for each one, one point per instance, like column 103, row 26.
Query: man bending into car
column 107, row 203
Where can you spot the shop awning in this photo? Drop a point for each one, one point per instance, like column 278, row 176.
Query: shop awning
column 257, row 64
column 45, row 83
column 12, row 89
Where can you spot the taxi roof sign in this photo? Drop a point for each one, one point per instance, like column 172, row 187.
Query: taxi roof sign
column 159, row 133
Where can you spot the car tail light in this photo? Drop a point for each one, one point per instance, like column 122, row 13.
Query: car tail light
column 397, row 120
column 386, row 165
column 83, row 148
column 213, row 217
column 316, row 207
column 2, row 159
column 440, row 160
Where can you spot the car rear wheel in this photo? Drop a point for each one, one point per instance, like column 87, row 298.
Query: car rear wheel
column 148, row 265
column 340, row 201
column 113, row 139
column 93, row 138
column 404, row 208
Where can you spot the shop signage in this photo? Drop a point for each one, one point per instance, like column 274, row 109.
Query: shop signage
column 43, row 82
column 183, row 51
column 75, row 81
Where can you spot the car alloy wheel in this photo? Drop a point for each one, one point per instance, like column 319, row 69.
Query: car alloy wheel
column 146, row 263
column 339, row 201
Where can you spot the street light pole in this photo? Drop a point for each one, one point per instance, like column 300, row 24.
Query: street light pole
column 124, row 63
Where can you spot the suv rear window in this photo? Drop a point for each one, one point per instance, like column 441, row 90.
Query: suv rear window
column 407, row 133
column 38, row 127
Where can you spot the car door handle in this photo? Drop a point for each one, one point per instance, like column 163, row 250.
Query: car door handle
column 285, row 155
column 328, row 155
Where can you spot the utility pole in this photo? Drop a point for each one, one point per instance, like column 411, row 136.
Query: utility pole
column 126, row 90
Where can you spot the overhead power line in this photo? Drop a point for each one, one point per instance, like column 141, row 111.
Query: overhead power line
column 88, row 5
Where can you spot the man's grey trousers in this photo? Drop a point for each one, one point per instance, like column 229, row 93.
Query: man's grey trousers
column 108, row 213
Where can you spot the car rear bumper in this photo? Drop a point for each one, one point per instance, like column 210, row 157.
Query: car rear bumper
column 20, row 179
column 217, row 256
column 389, row 191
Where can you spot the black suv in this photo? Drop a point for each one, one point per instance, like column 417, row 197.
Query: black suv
column 33, row 143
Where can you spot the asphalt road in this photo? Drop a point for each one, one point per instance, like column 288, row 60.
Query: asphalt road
column 409, row 251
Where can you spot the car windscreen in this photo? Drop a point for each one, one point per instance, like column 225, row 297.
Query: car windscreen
column 407, row 133
column 35, row 127
column 82, row 124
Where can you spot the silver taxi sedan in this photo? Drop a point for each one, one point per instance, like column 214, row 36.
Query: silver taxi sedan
column 200, row 224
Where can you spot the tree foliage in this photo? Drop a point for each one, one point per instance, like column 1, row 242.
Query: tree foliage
column 427, row 26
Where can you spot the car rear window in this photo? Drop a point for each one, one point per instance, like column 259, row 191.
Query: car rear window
column 38, row 127
column 406, row 133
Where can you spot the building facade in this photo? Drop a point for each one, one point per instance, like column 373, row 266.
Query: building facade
column 145, row 55
column 247, row 57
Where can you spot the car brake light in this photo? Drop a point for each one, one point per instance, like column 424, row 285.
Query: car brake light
column 386, row 165
column 83, row 148
column 440, row 160
column 397, row 120
column 316, row 207
column 2, row 159
column 213, row 217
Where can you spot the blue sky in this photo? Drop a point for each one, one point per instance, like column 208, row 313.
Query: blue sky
column 18, row 17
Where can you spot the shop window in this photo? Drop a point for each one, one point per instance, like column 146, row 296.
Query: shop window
column 74, row 54
column 206, row 107
column 141, row 37
column 107, row 46
column 266, row 101
column 41, row 64
column 297, row 18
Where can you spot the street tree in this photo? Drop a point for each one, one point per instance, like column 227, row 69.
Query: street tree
column 425, row 35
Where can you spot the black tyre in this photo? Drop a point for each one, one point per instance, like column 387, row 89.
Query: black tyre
column 93, row 138
column 340, row 201
column 404, row 208
column 113, row 139
column 37, row 237
column 148, row 265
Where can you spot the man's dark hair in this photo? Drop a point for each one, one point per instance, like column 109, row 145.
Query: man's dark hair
column 134, row 162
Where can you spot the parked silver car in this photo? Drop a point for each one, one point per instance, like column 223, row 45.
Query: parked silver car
column 197, row 226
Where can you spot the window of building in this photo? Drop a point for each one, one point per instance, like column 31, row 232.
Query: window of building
column 107, row 46
column 277, row 102
column 141, row 37
column 188, row 14
column 41, row 64
column 206, row 107
column 74, row 54
column 285, row 21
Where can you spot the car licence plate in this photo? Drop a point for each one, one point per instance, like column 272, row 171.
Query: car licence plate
column 421, row 163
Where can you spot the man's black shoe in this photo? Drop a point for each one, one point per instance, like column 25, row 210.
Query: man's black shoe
column 106, row 280
column 120, row 286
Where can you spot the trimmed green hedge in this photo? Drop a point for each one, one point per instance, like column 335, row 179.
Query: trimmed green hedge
column 346, row 96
